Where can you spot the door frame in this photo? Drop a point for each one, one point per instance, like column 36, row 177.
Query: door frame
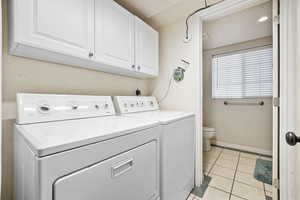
column 1, row 117
column 276, row 95
column 289, row 97
column 219, row 10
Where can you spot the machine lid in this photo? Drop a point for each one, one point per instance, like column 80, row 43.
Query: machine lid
column 208, row 129
column 53, row 137
column 163, row 116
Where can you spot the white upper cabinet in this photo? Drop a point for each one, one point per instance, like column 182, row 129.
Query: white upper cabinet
column 147, row 48
column 63, row 26
column 114, row 34
column 94, row 34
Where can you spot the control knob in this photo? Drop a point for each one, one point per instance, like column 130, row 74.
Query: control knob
column 44, row 108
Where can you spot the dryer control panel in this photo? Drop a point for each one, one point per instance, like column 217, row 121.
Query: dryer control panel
column 133, row 104
column 33, row 108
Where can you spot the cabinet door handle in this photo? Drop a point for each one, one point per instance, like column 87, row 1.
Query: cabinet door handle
column 91, row 54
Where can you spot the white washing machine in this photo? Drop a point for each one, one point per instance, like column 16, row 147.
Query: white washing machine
column 177, row 143
column 74, row 148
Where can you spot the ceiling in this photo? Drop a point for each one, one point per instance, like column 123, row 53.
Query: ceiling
column 163, row 12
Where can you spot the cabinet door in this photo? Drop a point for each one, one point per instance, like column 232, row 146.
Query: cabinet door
column 114, row 34
column 147, row 48
column 62, row 26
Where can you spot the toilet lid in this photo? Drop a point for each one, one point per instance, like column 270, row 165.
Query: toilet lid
column 208, row 129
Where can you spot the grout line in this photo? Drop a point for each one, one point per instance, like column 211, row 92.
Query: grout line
column 234, row 177
column 215, row 161
column 219, row 189
column 223, row 176
column 248, row 184
column 238, row 196
column 237, row 165
column 264, row 190
column 243, row 151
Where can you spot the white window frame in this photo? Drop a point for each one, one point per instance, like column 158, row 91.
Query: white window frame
column 214, row 96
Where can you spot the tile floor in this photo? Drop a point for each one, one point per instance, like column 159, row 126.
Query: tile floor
column 232, row 176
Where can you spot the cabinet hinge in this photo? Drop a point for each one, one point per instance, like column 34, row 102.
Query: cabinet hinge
column 276, row 101
column 276, row 183
column 276, row 19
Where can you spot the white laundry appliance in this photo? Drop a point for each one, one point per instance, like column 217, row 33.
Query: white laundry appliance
column 75, row 148
column 177, row 143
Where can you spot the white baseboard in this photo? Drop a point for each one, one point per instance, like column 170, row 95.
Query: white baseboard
column 244, row 148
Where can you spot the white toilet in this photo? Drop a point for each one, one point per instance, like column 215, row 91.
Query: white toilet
column 208, row 135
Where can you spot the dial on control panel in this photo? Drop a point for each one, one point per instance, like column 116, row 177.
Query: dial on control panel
column 45, row 108
column 98, row 107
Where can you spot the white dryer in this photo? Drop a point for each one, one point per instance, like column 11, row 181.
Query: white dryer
column 74, row 148
column 177, row 143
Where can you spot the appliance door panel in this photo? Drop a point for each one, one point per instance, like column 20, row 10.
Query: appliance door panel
column 130, row 176
column 177, row 154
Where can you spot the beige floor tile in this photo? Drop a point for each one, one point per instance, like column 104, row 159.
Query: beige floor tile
column 221, row 183
column 269, row 194
column 249, row 155
column 231, row 152
column 229, row 157
column 207, row 167
column 235, row 198
column 213, row 154
column 215, row 194
column 248, row 192
column 246, row 168
column 222, row 171
column 247, row 161
column 227, row 163
column 265, row 158
column 216, row 149
column 249, row 180
column 268, row 187
column 209, row 159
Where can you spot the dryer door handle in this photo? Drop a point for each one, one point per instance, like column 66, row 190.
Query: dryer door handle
column 122, row 168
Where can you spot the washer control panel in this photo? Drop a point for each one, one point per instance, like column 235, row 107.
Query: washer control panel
column 33, row 108
column 132, row 104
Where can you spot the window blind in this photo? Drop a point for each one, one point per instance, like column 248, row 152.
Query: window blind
column 243, row 74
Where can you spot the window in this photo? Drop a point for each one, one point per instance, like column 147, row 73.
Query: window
column 243, row 74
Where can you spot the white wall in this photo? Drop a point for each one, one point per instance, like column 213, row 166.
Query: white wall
column 249, row 126
column 27, row 75
column 183, row 95
column 172, row 50
column 238, row 27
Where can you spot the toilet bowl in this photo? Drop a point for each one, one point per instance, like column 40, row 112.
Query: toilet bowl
column 208, row 135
